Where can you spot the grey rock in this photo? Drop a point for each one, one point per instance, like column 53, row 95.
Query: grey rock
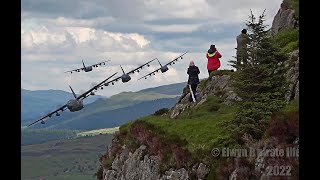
column 140, row 166
column 180, row 174
column 292, row 76
column 218, row 86
column 202, row 171
column 283, row 20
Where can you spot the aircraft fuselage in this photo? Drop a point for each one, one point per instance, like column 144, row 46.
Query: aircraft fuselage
column 88, row 68
column 74, row 105
column 164, row 69
column 125, row 78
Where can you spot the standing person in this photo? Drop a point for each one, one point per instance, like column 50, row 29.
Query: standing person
column 242, row 41
column 193, row 79
column 213, row 59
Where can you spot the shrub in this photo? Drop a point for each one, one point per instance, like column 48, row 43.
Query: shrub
column 161, row 111
column 287, row 40
column 284, row 126
column 99, row 173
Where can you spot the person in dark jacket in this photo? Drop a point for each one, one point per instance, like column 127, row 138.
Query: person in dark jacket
column 242, row 41
column 193, row 79
column 213, row 59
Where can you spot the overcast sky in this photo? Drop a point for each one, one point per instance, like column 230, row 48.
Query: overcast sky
column 56, row 35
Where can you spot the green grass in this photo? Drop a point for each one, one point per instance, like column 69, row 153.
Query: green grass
column 99, row 131
column 291, row 106
column 202, row 126
column 287, row 40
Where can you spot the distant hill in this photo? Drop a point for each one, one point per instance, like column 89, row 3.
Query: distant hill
column 171, row 89
column 102, row 105
column 72, row 159
column 84, row 120
column 39, row 102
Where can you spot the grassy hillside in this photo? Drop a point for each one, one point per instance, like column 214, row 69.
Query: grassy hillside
column 196, row 132
column 35, row 136
column 98, row 132
column 74, row 159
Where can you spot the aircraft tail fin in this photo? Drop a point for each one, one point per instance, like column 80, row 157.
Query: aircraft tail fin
column 122, row 69
column 74, row 94
column 83, row 64
column 159, row 62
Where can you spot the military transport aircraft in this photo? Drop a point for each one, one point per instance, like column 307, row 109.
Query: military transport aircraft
column 164, row 68
column 75, row 104
column 87, row 68
column 125, row 77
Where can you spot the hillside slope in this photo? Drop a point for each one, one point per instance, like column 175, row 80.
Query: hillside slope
column 35, row 103
column 199, row 140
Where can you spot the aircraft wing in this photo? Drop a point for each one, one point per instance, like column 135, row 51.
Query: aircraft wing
column 49, row 115
column 151, row 73
column 140, row 67
column 75, row 70
column 100, row 63
column 84, row 95
column 175, row 59
column 112, row 81
column 157, row 70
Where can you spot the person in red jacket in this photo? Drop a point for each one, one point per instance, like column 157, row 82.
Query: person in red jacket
column 213, row 59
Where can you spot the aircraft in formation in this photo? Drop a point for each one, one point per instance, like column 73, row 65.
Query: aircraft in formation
column 125, row 77
column 76, row 104
column 87, row 68
column 163, row 68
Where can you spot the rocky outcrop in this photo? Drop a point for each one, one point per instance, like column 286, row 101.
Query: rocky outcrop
column 142, row 166
column 293, row 76
column 283, row 20
column 218, row 85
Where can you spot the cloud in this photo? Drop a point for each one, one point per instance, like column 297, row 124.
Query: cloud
column 57, row 35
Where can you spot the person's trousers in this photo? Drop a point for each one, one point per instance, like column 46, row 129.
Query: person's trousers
column 209, row 71
column 194, row 90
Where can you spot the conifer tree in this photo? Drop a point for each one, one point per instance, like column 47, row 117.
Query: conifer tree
column 260, row 82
